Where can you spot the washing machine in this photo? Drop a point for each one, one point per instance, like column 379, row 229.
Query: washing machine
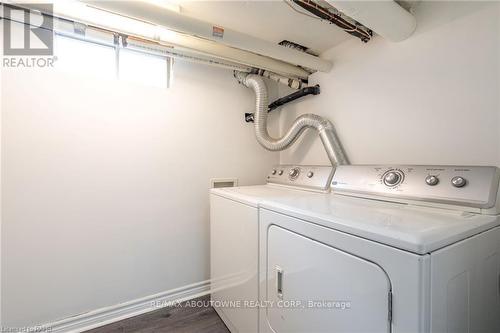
column 401, row 249
column 234, row 237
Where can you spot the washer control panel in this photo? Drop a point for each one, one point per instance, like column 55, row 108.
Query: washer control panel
column 312, row 177
column 471, row 186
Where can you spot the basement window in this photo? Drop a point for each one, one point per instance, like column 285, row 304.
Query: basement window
column 82, row 57
column 143, row 68
column 106, row 58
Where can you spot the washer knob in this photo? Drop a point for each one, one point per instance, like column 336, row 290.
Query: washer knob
column 392, row 178
column 294, row 173
column 280, row 172
column 274, row 171
column 432, row 180
column 310, row 174
column 458, row 181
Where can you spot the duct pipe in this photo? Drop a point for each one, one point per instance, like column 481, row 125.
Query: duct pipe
column 232, row 39
column 292, row 83
column 386, row 18
column 324, row 127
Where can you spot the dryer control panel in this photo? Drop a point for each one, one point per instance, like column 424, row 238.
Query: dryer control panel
column 313, row 177
column 469, row 186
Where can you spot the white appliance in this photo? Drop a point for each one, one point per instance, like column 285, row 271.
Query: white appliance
column 392, row 249
column 234, row 234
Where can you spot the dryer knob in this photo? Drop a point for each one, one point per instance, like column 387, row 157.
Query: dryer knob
column 432, row 180
column 294, row 173
column 458, row 181
column 392, row 178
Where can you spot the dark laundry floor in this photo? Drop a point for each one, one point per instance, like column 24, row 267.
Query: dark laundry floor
column 183, row 319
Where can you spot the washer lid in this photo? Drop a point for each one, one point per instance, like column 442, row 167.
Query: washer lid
column 412, row 228
column 253, row 195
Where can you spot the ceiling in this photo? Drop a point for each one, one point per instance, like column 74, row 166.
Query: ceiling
column 271, row 20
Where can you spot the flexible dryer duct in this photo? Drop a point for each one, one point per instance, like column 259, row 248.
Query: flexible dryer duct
column 324, row 127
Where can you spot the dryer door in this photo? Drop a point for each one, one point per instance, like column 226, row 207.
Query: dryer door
column 312, row 287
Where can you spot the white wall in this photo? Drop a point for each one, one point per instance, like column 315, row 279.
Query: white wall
column 104, row 189
column 432, row 99
column 105, row 185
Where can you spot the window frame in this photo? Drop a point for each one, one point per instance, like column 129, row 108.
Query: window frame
column 118, row 45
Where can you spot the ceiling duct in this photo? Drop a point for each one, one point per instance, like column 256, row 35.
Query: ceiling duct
column 387, row 18
column 143, row 21
column 178, row 23
column 331, row 15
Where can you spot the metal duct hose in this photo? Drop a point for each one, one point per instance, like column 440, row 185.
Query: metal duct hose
column 324, row 127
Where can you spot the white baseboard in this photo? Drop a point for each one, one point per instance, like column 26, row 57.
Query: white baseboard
column 111, row 314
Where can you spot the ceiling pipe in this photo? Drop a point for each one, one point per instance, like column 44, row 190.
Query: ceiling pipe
column 180, row 43
column 385, row 17
column 180, row 23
